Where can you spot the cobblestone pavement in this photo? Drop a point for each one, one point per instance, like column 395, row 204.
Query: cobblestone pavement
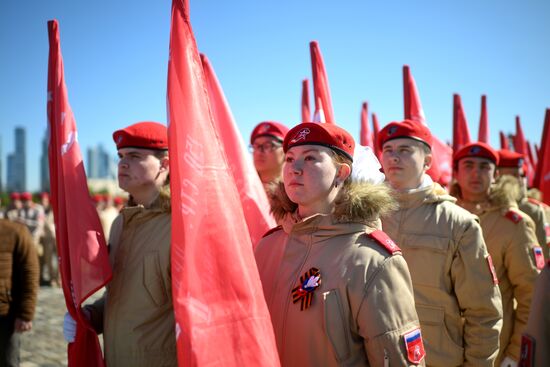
column 44, row 345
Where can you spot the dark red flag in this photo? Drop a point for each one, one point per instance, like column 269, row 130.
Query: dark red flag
column 542, row 179
column 483, row 134
column 503, row 141
column 532, row 157
column 441, row 169
column 375, row 130
column 251, row 191
column 221, row 315
column 520, row 146
column 306, row 112
column 365, row 134
column 83, row 257
column 461, row 133
column 321, row 90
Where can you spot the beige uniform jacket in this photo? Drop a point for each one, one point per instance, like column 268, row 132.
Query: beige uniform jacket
column 362, row 308
column 536, row 212
column 136, row 313
column 458, row 304
column 510, row 238
column 538, row 326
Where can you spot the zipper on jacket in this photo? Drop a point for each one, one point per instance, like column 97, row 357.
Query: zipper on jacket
column 386, row 358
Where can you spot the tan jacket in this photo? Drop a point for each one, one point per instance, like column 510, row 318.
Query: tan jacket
column 136, row 313
column 536, row 211
column 510, row 238
column 458, row 304
column 538, row 326
column 364, row 304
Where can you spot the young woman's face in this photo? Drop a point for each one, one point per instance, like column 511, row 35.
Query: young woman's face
column 309, row 174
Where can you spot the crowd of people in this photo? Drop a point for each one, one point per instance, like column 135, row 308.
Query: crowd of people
column 359, row 272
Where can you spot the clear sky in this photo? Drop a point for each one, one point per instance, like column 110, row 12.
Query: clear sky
column 116, row 52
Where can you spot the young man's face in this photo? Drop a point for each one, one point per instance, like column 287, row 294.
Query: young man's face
column 405, row 161
column 475, row 176
column 268, row 155
column 140, row 169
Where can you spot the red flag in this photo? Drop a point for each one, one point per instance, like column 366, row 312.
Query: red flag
column 504, row 141
column 537, row 151
column 483, row 134
column 461, row 133
column 375, row 130
column 306, row 114
column 542, row 179
column 442, row 157
column 83, row 258
column 251, row 191
column 532, row 157
column 366, row 136
column 221, row 314
column 520, row 146
column 321, row 90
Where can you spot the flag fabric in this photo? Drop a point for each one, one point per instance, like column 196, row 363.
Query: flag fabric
column 305, row 109
column 251, row 191
column 321, row 90
column 520, row 146
column 461, row 133
column 532, row 157
column 375, row 130
column 442, row 157
column 221, row 315
column 365, row 134
column 542, row 179
column 83, row 257
column 483, row 133
column 503, row 141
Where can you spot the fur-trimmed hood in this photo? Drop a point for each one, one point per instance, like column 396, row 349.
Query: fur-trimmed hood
column 162, row 202
column 360, row 202
column 504, row 193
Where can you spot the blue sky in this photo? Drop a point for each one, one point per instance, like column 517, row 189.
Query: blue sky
column 115, row 55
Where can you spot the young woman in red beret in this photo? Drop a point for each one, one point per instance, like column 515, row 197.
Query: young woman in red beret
column 338, row 290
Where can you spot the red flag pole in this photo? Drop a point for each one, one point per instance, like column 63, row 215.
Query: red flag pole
column 254, row 200
column 461, row 133
column 503, row 141
column 365, row 134
column 306, row 113
column 220, row 311
column 542, row 176
column 83, row 258
column 483, row 133
column 321, row 90
column 520, row 146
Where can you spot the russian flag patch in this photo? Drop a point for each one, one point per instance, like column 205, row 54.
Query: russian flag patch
column 539, row 257
column 414, row 346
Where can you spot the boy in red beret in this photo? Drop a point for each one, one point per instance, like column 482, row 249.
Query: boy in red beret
column 136, row 314
column 458, row 303
column 266, row 144
column 509, row 235
column 513, row 164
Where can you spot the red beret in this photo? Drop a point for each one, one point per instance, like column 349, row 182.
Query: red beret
column 147, row 135
column 26, row 196
column 269, row 128
column 328, row 135
column 507, row 158
column 477, row 149
column 45, row 195
column 405, row 129
column 118, row 200
column 15, row 196
column 97, row 198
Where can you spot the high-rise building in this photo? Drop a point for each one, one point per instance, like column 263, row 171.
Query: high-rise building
column 44, row 166
column 17, row 163
column 100, row 163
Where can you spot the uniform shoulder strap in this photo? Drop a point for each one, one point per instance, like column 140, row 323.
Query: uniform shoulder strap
column 534, row 201
column 385, row 241
column 272, row 230
column 513, row 216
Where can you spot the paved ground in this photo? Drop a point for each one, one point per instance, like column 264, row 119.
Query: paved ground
column 44, row 346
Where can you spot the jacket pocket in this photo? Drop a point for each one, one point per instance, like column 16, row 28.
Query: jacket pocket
column 429, row 259
column 336, row 326
column 441, row 349
column 152, row 278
